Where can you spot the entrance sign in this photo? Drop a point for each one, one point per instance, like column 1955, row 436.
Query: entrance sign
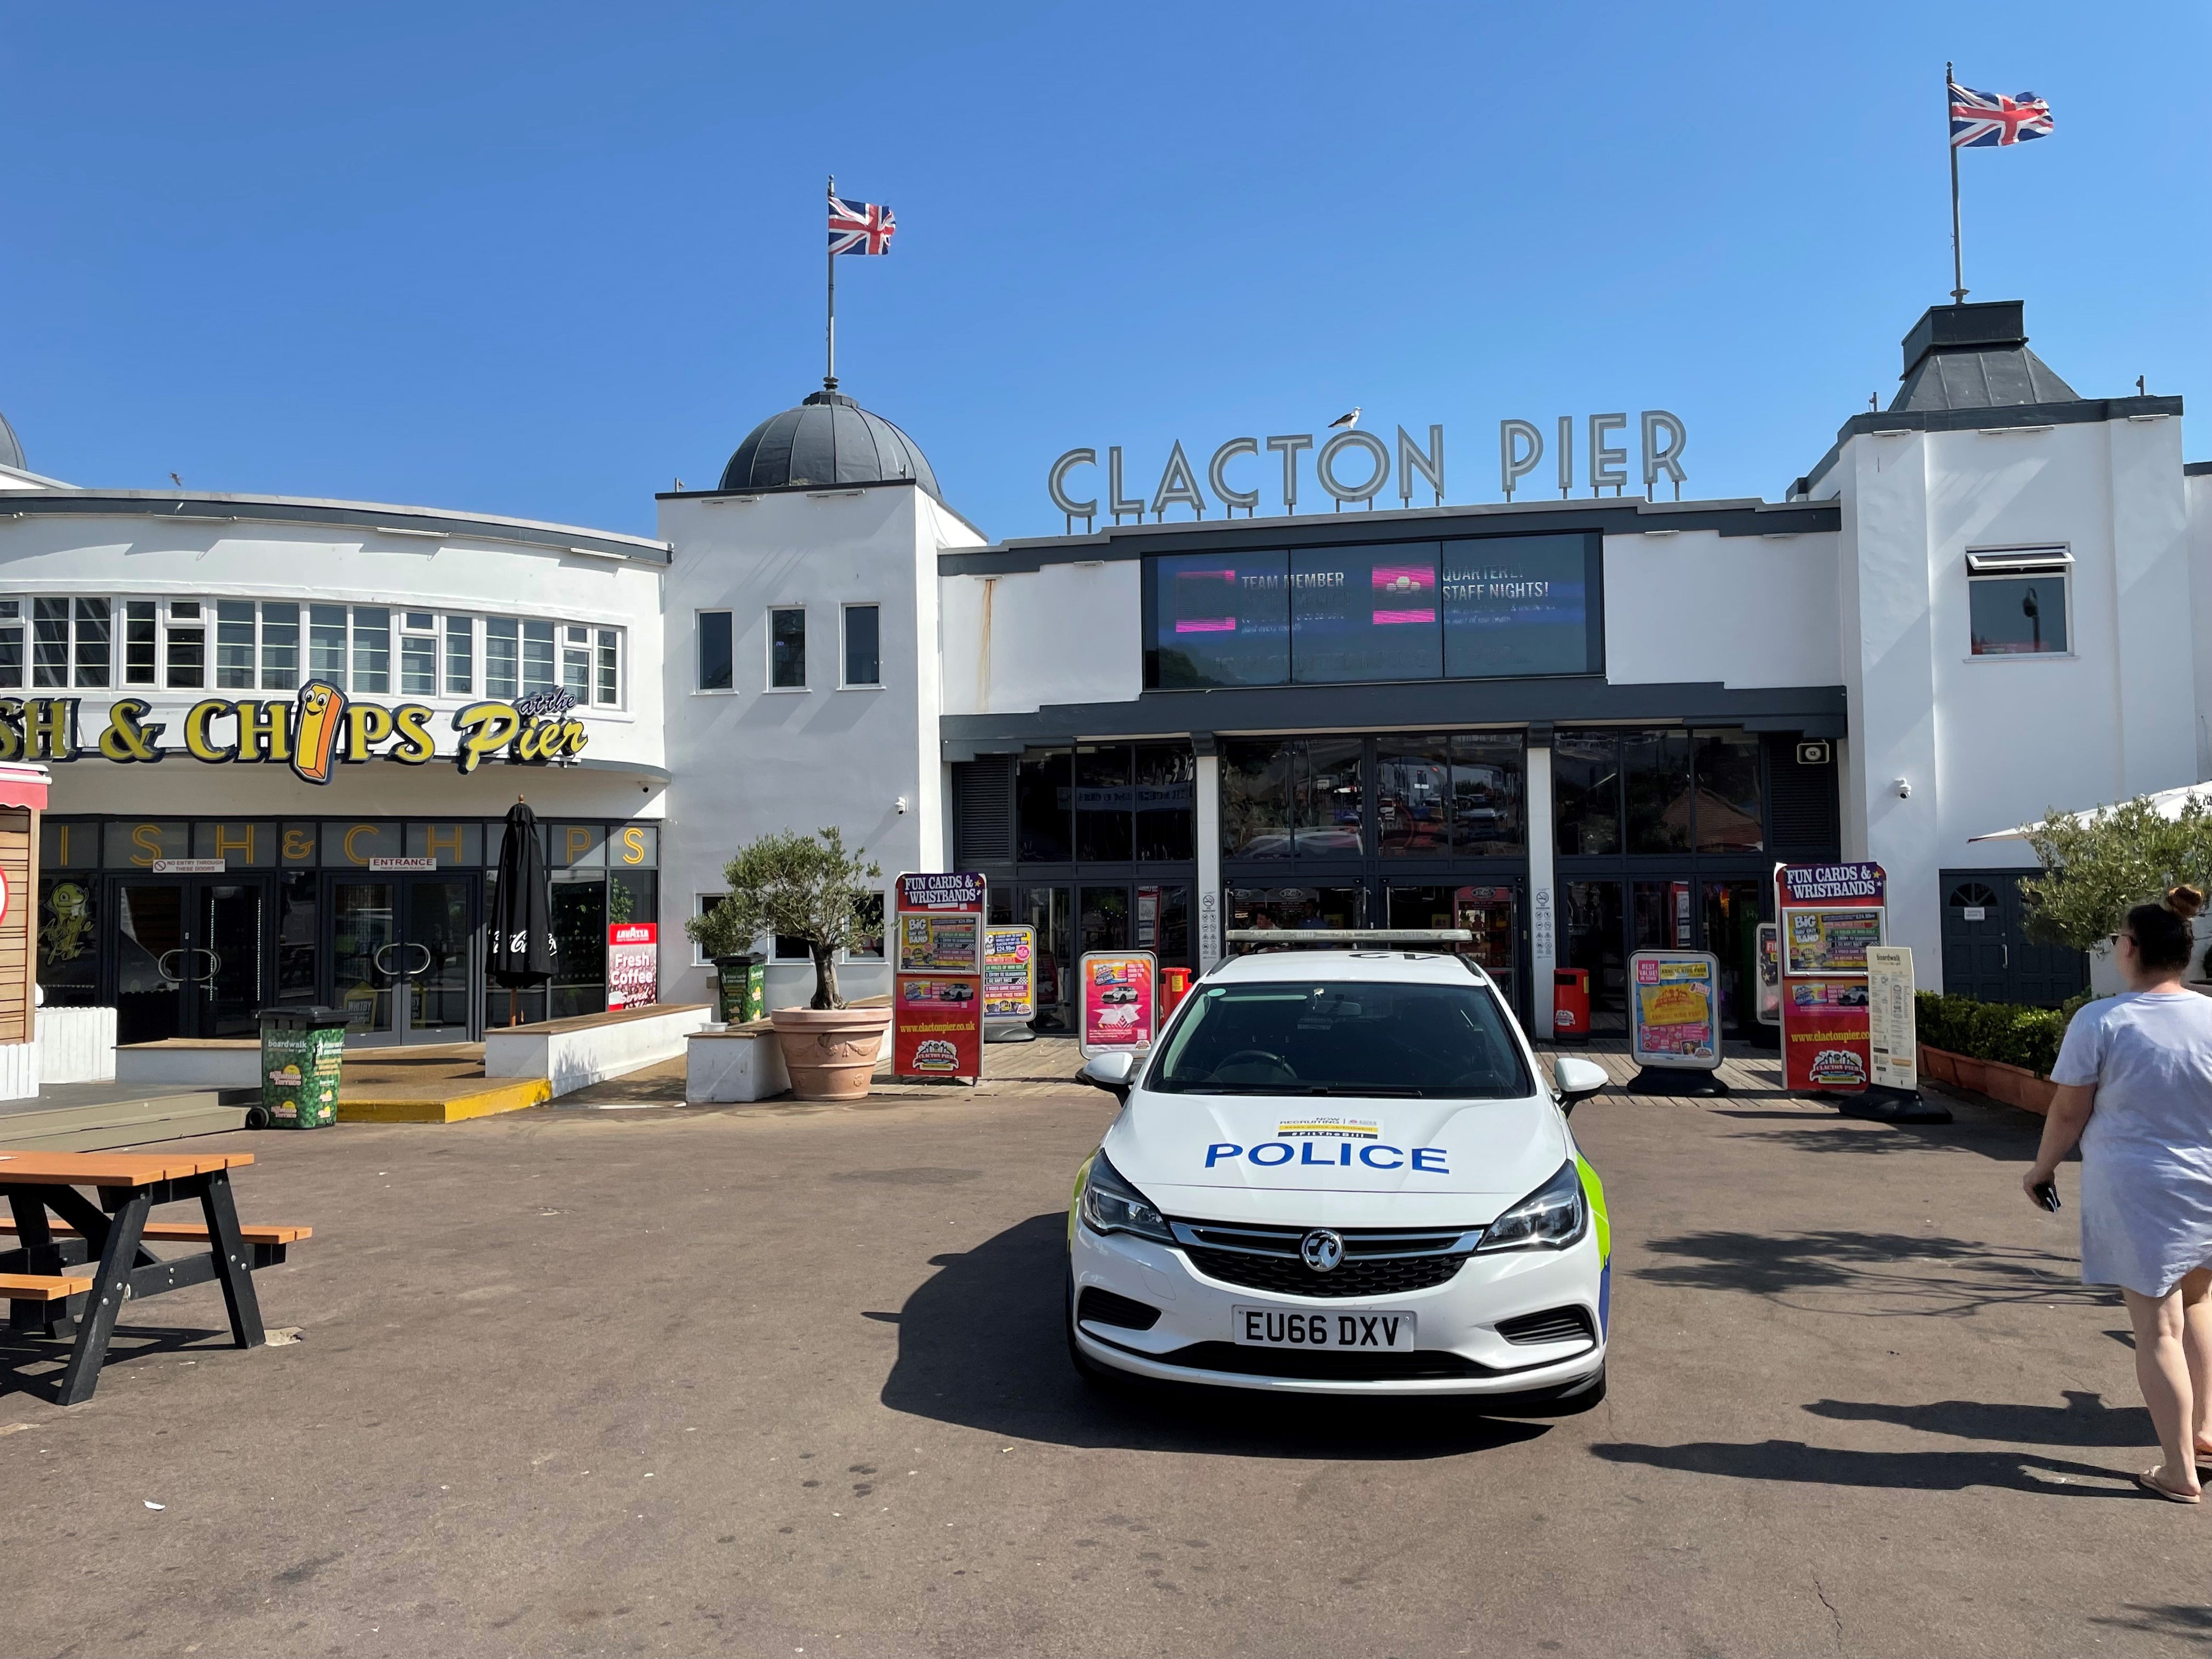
column 403, row 864
column 1009, row 975
column 1892, row 1031
column 190, row 866
column 1120, row 992
column 936, row 985
column 1673, row 1009
column 313, row 733
column 633, row 964
column 1831, row 918
column 1354, row 465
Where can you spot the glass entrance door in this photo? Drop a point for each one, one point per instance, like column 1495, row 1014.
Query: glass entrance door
column 404, row 956
column 190, row 957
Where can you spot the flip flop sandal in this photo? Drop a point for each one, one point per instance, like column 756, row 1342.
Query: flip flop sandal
column 2150, row 1482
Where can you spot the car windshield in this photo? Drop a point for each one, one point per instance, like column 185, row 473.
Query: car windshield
column 1343, row 1037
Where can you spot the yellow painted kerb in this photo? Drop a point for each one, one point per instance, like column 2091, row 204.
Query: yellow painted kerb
column 456, row 1107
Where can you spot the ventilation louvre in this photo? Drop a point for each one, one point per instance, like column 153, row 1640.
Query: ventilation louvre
column 983, row 812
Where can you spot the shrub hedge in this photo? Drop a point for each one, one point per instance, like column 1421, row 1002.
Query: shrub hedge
column 2026, row 1038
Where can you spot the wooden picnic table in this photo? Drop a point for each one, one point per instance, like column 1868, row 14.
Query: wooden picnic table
column 49, row 1280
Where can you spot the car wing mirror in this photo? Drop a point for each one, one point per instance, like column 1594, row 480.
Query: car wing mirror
column 1115, row 1073
column 1575, row 1079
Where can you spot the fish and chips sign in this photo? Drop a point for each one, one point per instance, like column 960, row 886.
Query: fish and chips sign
column 313, row 733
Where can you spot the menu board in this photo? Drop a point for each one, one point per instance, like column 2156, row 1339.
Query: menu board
column 1893, row 1028
column 1673, row 1009
column 1010, row 974
column 936, row 989
column 1120, row 993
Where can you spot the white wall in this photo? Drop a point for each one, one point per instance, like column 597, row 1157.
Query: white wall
column 1989, row 742
column 1747, row 610
column 753, row 760
column 1066, row 633
column 2197, row 495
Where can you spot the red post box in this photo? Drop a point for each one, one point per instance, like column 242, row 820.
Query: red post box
column 1571, row 1009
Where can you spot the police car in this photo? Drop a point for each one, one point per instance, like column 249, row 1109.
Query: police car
column 1343, row 1171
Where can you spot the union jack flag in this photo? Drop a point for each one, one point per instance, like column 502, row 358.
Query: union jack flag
column 1981, row 120
column 860, row 226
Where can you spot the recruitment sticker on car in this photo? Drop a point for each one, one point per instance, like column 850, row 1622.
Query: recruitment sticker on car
column 1280, row 1327
column 1329, row 1128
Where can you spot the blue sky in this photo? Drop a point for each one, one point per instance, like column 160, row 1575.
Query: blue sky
column 543, row 259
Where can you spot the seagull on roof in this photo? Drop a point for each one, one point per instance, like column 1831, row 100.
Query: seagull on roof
column 1351, row 420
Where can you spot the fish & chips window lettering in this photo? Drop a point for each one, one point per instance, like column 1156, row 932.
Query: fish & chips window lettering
column 189, row 927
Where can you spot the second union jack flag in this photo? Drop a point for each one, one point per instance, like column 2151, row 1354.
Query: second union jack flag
column 860, row 226
column 1980, row 120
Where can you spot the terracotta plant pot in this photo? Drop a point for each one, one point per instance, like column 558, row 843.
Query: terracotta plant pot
column 2017, row 1086
column 1938, row 1064
column 830, row 1053
column 1972, row 1073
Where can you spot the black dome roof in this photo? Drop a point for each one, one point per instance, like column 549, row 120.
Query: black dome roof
column 827, row 440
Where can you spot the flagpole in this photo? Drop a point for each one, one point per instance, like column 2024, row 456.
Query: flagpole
column 1958, row 256
column 829, row 374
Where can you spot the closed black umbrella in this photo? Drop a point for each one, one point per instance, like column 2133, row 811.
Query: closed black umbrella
column 522, row 947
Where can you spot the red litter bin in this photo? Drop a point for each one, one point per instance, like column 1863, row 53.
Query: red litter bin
column 1175, row 986
column 1570, row 1013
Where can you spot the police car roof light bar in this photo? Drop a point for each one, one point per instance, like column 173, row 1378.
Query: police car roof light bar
column 1350, row 935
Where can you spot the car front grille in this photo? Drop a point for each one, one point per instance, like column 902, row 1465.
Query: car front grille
column 1376, row 1262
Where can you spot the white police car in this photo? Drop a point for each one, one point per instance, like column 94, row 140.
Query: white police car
column 1339, row 1172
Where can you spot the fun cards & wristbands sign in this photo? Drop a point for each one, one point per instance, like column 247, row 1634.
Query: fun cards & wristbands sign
column 1828, row 916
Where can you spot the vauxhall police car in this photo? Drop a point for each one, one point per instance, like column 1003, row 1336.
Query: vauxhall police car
column 1343, row 1171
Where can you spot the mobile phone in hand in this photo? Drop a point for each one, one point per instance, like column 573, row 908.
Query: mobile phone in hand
column 2046, row 1194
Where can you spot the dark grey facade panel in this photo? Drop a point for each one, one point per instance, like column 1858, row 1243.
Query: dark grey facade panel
column 1626, row 516
column 1815, row 711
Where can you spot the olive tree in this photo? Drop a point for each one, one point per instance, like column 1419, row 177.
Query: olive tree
column 795, row 886
column 2097, row 867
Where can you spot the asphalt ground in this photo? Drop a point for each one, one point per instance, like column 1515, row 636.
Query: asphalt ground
column 779, row 1380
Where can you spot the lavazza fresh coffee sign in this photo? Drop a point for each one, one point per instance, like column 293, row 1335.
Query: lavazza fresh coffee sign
column 314, row 732
column 1352, row 464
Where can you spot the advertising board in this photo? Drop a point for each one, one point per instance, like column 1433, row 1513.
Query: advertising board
column 1826, row 940
column 1009, row 974
column 1831, row 918
column 1769, row 964
column 633, row 964
column 1120, row 1000
column 1673, row 1009
column 1892, row 1030
column 937, row 982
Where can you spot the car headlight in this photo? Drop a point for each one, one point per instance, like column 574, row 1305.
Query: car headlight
column 1111, row 1205
column 1550, row 1218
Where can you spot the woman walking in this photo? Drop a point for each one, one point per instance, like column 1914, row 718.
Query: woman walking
column 2134, row 1076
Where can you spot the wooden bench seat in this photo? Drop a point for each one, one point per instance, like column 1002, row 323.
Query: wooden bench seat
column 193, row 1232
column 42, row 1287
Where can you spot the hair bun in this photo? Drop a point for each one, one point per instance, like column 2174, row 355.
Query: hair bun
column 2185, row 902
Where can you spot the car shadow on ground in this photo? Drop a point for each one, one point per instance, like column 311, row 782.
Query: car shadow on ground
column 2084, row 1420
column 981, row 1344
column 1924, row 1273
column 1796, row 1463
column 2192, row 1625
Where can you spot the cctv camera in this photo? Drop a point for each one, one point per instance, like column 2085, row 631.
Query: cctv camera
column 1903, row 789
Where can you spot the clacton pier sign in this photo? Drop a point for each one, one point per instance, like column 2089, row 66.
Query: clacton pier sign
column 1350, row 464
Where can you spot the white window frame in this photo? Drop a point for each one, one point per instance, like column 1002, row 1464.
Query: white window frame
column 767, row 656
column 698, row 644
column 882, row 956
column 204, row 622
column 2037, row 559
column 701, row 903
column 844, row 654
column 20, row 622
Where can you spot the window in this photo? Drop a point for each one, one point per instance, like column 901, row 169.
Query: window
column 537, row 658
column 69, row 642
column 460, row 656
column 1586, row 792
column 233, row 645
column 716, row 660
column 11, row 644
column 326, row 644
column 1325, row 799
column 93, row 647
column 786, row 649
column 2016, row 602
column 1167, row 800
column 1655, row 767
column 610, row 686
column 1728, row 816
column 372, row 652
column 863, row 654
column 503, row 656
column 1043, row 792
column 50, row 651
column 280, row 647
column 1658, row 792
column 418, row 655
column 141, row 656
column 1255, row 798
column 576, row 662
column 187, row 643
column 868, row 946
column 701, row 904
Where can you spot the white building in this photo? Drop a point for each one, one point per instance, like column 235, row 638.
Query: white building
column 1579, row 727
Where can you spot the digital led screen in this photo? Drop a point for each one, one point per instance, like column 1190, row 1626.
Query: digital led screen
column 1221, row 619
column 1365, row 613
column 1488, row 608
column 1517, row 605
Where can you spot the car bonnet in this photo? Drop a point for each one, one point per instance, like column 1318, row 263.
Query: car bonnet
column 1348, row 1161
